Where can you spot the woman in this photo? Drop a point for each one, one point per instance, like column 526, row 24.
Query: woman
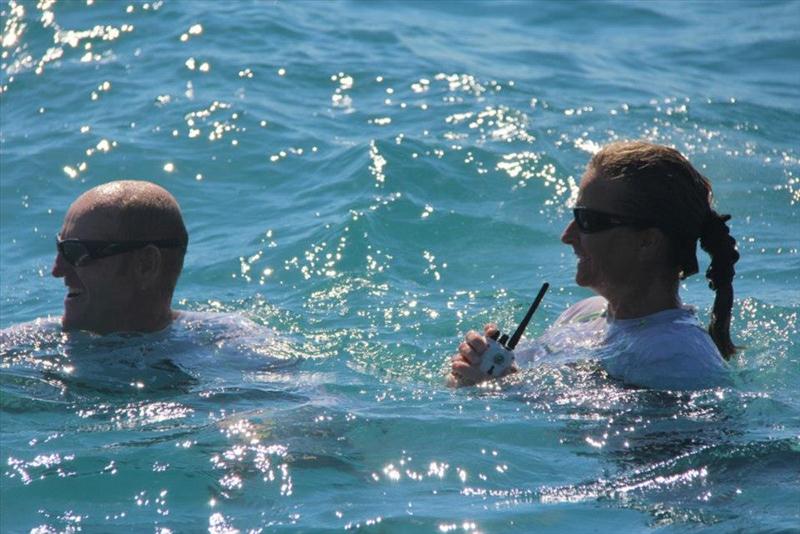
column 640, row 212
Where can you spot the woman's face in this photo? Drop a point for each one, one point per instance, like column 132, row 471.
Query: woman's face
column 608, row 260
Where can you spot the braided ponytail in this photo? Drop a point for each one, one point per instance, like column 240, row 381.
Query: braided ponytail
column 716, row 240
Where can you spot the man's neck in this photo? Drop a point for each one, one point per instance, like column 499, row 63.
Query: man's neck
column 146, row 321
column 156, row 321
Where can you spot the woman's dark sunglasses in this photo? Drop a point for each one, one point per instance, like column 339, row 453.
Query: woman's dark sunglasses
column 590, row 221
column 79, row 252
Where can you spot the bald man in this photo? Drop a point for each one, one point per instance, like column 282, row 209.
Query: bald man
column 120, row 252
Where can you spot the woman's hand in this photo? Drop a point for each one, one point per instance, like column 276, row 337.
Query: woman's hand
column 465, row 367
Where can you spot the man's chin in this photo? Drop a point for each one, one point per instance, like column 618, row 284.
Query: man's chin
column 70, row 323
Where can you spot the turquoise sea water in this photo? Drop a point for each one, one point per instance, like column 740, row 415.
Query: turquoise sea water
column 372, row 180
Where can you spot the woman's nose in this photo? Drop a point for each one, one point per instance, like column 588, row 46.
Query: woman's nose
column 569, row 233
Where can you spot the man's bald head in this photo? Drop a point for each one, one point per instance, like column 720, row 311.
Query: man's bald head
column 135, row 210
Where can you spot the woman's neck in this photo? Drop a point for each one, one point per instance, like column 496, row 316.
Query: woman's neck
column 642, row 301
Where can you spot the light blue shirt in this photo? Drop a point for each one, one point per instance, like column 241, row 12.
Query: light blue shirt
column 665, row 350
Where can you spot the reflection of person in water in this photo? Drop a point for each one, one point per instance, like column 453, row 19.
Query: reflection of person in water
column 640, row 212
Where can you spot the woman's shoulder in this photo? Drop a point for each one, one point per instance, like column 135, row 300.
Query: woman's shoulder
column 673, row 352
column 584, row 311
column 671, row 333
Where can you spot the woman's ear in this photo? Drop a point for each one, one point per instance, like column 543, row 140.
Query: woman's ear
column 653, row 244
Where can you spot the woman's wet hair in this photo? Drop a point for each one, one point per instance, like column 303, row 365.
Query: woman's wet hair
column 666, row 188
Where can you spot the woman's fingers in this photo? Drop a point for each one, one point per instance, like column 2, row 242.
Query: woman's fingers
column 466, row 351
column 490, row 330
column 472, row 347
column 465, row 366
column 476, row 341
column 467, row 374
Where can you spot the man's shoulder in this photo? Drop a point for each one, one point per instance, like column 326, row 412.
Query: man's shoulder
column 217, row 324
column 204, row 318
column 234, row 340
column 190, row 327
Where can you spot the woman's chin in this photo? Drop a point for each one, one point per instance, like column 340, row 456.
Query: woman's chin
column 583, row 277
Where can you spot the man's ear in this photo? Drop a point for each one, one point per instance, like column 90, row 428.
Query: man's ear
column 148, row 266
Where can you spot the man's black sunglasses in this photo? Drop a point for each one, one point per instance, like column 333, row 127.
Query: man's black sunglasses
column 78, row 252
column 590, row 221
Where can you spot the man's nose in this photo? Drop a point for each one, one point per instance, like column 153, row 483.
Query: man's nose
column 59, row 266
column 569, row 233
